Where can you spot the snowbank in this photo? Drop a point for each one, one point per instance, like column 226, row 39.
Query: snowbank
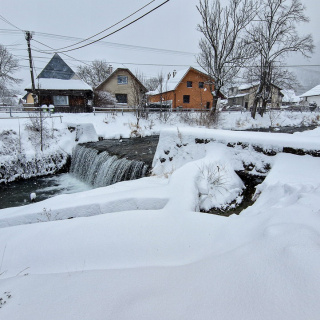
column 139, row 249
column 172, row 263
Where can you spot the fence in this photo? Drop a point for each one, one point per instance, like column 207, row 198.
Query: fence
column 48, row 112
column 145, row 109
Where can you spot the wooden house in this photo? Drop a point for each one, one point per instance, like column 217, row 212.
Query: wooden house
column 185, row 89
column 58, row 85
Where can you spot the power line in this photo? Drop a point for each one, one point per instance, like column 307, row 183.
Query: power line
column 109, row 27
column 8, row 22
column 108, row 35
column 106, row 43
column 62, row 53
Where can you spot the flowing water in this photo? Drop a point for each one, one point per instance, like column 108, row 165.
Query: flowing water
column 93, row 165
column 18, row 193
column 102, row 169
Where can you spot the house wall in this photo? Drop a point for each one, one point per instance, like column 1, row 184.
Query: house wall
column 29, row 99
column 275, row 100
column 199, row 97
column 315, row 99
column 165, row 96
column 114, row 88
column 78, row 101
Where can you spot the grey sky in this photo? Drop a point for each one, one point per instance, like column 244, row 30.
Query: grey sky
column 171, row 27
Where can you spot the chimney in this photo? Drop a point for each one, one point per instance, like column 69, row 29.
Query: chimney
column 110, row 69
column 174, row 73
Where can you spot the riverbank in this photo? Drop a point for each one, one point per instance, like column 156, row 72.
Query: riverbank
column 21, row 156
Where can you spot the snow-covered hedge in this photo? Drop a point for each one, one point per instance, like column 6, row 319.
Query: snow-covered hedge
column 27, row 167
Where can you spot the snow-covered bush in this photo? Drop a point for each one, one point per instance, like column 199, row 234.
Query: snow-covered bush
column 103, row 99
column 218, row 186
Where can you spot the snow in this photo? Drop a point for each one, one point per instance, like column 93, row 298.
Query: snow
column 59, row 84
column 289, row 96
column 142, row 250
column 313, row 92
column 171, row 83
column 33, row 196
column 246, row 86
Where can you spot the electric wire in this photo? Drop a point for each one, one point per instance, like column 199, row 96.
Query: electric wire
column 8, row 22
column 129, row 16
column 108, row 35
column 107, row 43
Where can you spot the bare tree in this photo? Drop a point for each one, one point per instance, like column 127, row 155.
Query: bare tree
column 223, row 48
column 151, row 84
column 95, row 73
column 273, row 37
column 139, row 96
column 8, row 66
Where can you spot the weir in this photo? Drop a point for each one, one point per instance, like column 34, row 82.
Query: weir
column 106, row 162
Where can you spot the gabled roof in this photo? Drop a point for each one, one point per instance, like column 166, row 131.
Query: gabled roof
column 313, row 92
column 57, row 69
column 122, row 69
column 173, row 82
column 60, row 84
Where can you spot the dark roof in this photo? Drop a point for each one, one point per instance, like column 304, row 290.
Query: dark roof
column 57, row 69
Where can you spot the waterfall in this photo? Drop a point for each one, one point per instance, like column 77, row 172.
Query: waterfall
column 102, row 169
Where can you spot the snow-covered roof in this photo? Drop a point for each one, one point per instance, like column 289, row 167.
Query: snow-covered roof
column 246, row 86
column 171, row 83
column 174, row 80
column 313, row 92
column 289, row 96
column 239, row 95
column 59, row 84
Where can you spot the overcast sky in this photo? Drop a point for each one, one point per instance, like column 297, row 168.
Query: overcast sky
column 171, row 27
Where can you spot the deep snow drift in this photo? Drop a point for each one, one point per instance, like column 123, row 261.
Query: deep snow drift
column 141, row 250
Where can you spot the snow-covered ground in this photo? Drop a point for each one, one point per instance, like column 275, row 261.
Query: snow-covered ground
column 20, row 155
column 142, row 250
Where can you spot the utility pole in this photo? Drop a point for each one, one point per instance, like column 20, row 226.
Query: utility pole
column 34, row 95
column 28, row 38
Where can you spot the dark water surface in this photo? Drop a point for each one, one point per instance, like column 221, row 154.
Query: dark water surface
column 17, row 193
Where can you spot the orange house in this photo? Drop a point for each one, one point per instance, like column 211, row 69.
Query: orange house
column 186, row 89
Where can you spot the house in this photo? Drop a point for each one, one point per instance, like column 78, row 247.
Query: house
column 244, row 95
column 58, row 85
column 312, row 96
column 125, row 86
column 185, row 89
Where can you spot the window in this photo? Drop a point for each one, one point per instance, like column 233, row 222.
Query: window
column 186, row 99
column 61, row 100
column 189, row 84
column 121, row 98
column 122, row 80
column 201, row 85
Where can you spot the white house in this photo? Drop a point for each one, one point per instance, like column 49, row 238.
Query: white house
column 312, row 95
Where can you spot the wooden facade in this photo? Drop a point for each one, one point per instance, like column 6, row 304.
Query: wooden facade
column 78, row 100
column 187, row 90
